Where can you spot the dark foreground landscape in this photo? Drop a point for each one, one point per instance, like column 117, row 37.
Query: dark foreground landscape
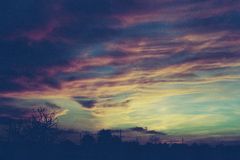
column 39, row 138
column 116, row 150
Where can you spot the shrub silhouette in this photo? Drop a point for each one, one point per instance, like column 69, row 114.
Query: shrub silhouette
column 15, row 131
column 87, row 140
column 104, row 136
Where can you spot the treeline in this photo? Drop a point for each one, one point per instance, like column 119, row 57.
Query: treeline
column 38, row 138
column 107, row 147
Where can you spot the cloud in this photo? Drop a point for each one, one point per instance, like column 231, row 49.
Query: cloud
column 85, row 102
column 9, row 109
column 14, row 108
column 117, row 62
column 86, row 35
column 146, row 131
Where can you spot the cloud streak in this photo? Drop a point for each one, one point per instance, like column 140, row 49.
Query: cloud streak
column 124, row 64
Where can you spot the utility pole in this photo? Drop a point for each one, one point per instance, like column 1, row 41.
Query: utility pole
column 120, row 134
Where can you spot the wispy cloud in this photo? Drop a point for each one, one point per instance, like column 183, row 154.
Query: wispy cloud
column 124, row 63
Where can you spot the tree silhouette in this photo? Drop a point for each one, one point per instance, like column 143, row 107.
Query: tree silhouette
column 87, row 140
column 39, row 127
column 154, row 139
column 104, row 136
column 15, row 131
column 42, row 127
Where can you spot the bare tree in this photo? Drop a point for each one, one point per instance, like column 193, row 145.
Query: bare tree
column 42, row 127
column 39, row 127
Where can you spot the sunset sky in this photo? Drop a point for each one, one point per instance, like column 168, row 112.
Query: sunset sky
column 170, row 65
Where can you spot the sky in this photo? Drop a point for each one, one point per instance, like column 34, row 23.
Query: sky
column 172, row 66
